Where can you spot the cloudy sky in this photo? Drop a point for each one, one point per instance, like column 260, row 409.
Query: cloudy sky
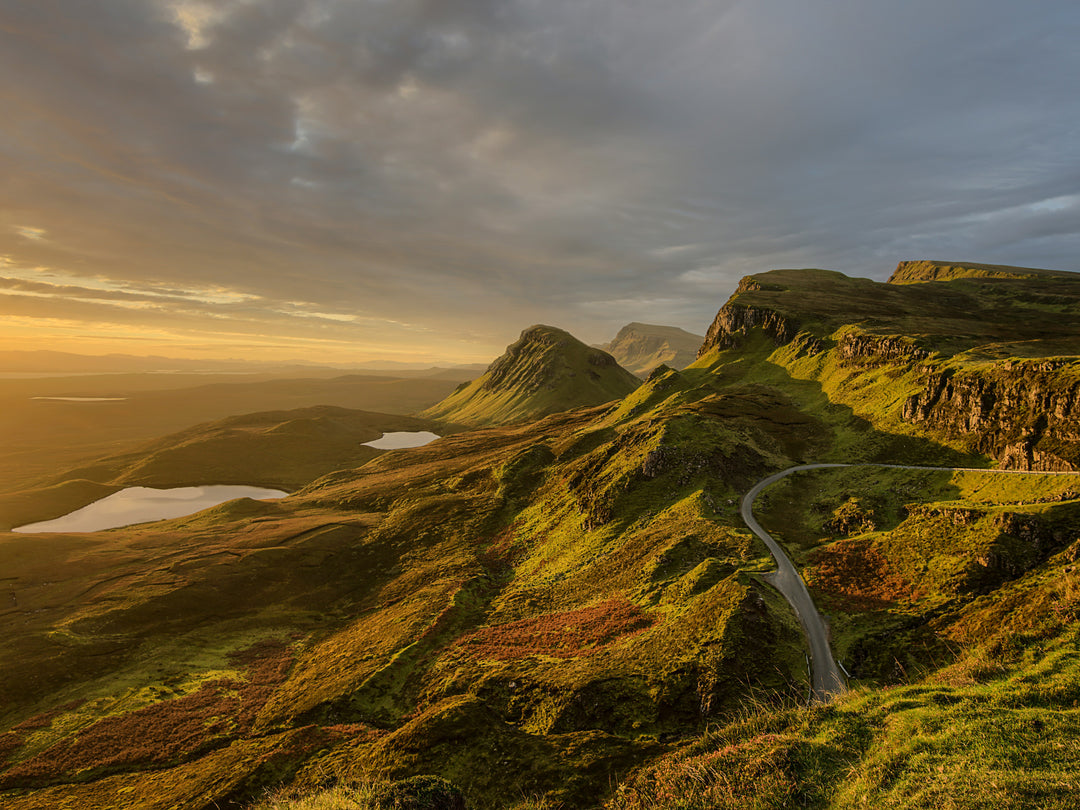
column 421, row 179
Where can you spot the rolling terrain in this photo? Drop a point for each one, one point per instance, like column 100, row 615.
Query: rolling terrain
column 567, row 609
column 41, row 437
column 274, row 449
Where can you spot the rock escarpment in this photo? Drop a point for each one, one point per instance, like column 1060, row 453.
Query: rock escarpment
column 736, row 319
column 984, row 357
column 1026, row 415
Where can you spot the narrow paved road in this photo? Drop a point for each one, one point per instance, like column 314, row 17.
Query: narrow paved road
column 826, row 678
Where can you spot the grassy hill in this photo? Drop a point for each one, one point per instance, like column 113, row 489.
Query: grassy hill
column 568, row 612
column 544, row 371
column 641, row 347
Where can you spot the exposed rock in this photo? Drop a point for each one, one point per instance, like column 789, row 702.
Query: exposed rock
column 851, row 517
column 736, row 320
column 861, row 348
column 1026, row 415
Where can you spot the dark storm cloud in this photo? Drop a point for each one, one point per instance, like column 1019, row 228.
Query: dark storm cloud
column 470, row 167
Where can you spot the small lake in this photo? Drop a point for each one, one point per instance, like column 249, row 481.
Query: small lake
column 143, row 504
column 402, row 439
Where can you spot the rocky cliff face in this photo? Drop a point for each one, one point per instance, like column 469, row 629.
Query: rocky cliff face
column 1026, row 415
column 859, row 348
column 733, row 320
column 736, row 319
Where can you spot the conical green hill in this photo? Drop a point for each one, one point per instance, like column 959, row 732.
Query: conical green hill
column 544, row 371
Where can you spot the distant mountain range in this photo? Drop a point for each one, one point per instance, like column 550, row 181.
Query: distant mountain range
column 43, row 362
column 641, row 347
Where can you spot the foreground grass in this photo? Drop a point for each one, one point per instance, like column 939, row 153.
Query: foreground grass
column 416, row 793
column 1011, row 742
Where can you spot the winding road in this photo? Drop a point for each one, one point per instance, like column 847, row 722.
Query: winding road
column 826, row 678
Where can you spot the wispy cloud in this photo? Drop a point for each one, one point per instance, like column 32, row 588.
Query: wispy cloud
column 26, row 232
column 461, row 168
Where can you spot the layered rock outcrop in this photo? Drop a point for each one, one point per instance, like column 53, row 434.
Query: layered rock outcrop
column 1026, row 415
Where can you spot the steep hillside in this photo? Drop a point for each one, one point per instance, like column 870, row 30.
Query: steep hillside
column 641, row 347
column 544, row 371
column 559, row 599
column 955, row 605
column 985, row 364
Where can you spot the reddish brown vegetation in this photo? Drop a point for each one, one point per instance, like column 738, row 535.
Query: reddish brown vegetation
column 45, row 719
column 857, row 576
column 562, row 635
column 354, row 731
column 9, row 744
column 166, row 732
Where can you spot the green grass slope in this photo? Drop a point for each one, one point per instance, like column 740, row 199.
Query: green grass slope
column 986, row 365
column 954, row 601
column 565, row 598
column 917, row 272
column 544, row 371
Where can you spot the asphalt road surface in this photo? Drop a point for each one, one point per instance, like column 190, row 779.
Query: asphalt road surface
column 826, row 678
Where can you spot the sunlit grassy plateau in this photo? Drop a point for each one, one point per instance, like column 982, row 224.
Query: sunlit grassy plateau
column 565, row 609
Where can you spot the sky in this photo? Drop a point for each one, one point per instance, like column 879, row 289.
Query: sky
column 419, row 180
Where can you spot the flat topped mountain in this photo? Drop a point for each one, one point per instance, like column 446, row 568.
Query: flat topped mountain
column 917, row 272
column 544, row 371
column 946, row 308
column 981, row 356
column 641, row 347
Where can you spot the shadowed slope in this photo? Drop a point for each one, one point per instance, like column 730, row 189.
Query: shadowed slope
column 544, row 371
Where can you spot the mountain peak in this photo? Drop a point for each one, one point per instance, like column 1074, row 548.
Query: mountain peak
column 546, row 370
column 641, row 347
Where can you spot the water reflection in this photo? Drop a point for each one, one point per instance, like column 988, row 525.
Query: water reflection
column 402, row 439
column 142, row 504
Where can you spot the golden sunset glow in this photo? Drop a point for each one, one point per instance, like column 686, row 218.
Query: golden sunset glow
column 344, row 181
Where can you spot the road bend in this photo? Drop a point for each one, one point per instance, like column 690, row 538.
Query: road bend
column 826, row 679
